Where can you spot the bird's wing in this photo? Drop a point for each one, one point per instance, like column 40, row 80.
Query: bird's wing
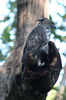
column 36, row 39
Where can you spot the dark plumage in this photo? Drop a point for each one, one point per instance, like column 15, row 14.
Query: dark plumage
column 41, row 62
column 37, row 40
column 40, row 80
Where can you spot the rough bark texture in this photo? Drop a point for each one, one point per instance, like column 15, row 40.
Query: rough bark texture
column 8, row 71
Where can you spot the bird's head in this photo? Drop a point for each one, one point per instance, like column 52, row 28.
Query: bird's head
column 46, row 23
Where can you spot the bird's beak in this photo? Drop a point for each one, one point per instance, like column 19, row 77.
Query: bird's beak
column 53, row 26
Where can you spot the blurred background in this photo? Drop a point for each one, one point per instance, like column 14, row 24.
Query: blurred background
column 57, row 10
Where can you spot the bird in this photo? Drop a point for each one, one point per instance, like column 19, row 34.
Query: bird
column 41, row 63
column 37, row 41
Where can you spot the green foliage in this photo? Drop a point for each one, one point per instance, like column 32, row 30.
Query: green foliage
column 64, row 54
column 1, row 56
column 62, row 26
column 9, row 30
column 6, row 36
column 12, row 6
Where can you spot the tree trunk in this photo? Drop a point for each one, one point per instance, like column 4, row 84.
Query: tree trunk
column 28, row 12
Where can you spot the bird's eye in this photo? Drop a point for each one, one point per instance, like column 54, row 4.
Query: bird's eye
column 52, row 22
column 47, row 27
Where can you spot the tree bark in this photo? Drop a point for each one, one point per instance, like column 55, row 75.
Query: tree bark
column 28, row 12
column 8, row 71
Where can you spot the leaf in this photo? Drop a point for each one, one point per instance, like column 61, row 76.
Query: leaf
column 64, row 17
column 2, row 57
column 64, row 54
column 14, row 24
column 59, row 15
column 55, row 88
column 6, row 36
column 11, row 48
column 13, row 5
column 64, row 38
column 61, row 27
column 58, row 37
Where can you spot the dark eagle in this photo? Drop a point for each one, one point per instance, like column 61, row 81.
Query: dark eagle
column 41, row 62
column 37, row 41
